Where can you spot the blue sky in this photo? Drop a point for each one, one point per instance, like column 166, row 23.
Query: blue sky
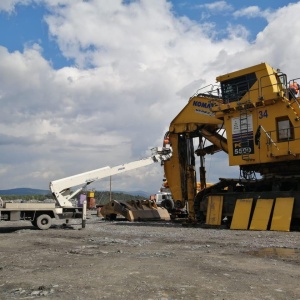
column 85, row 84
column 25, row 25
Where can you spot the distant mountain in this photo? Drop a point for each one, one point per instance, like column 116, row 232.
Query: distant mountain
column 132, row 193
column 137, row 193
column 23, row 192
column 28, row 191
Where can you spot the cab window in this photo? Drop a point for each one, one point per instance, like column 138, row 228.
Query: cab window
column 285, row 130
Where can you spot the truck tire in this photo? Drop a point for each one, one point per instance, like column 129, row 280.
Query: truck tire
column 168, row 204
column 43, row 222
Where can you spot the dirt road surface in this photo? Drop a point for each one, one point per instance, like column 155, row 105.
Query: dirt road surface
column 147, row 261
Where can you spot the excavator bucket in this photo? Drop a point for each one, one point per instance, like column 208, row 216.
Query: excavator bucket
column 135, row 210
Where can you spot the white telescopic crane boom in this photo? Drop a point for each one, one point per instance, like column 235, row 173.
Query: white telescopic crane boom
column 61, row 188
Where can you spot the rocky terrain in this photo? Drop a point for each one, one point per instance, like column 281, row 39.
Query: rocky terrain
column 149, row 261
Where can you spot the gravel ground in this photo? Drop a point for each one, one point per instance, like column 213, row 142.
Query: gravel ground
column 147, row 261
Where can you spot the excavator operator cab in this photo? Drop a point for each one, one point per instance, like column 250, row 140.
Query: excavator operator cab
column 236, row 88
column 252, row 85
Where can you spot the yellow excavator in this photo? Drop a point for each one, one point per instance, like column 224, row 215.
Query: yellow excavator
column 253, row 115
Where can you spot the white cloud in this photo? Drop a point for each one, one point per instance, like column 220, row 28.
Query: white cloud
column 136, row 67
column 274, row 45
column 216, row 7
column 237, row 31
column 9, row 5
column 252, row 12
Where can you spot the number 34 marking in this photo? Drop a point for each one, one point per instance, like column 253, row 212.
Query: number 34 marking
column 262, row 114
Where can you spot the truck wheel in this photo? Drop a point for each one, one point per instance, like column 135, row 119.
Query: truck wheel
column 168, row 204
column 43, row 222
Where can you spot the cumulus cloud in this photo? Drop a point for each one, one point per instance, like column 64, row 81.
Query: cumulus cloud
column 9, row 5
column 216, row 7
column 269, row 44
column 252, row 12
column 135, row 67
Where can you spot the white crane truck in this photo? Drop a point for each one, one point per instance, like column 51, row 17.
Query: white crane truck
column 41, row 214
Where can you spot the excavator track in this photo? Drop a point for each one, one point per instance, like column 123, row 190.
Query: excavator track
column 254, row 205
